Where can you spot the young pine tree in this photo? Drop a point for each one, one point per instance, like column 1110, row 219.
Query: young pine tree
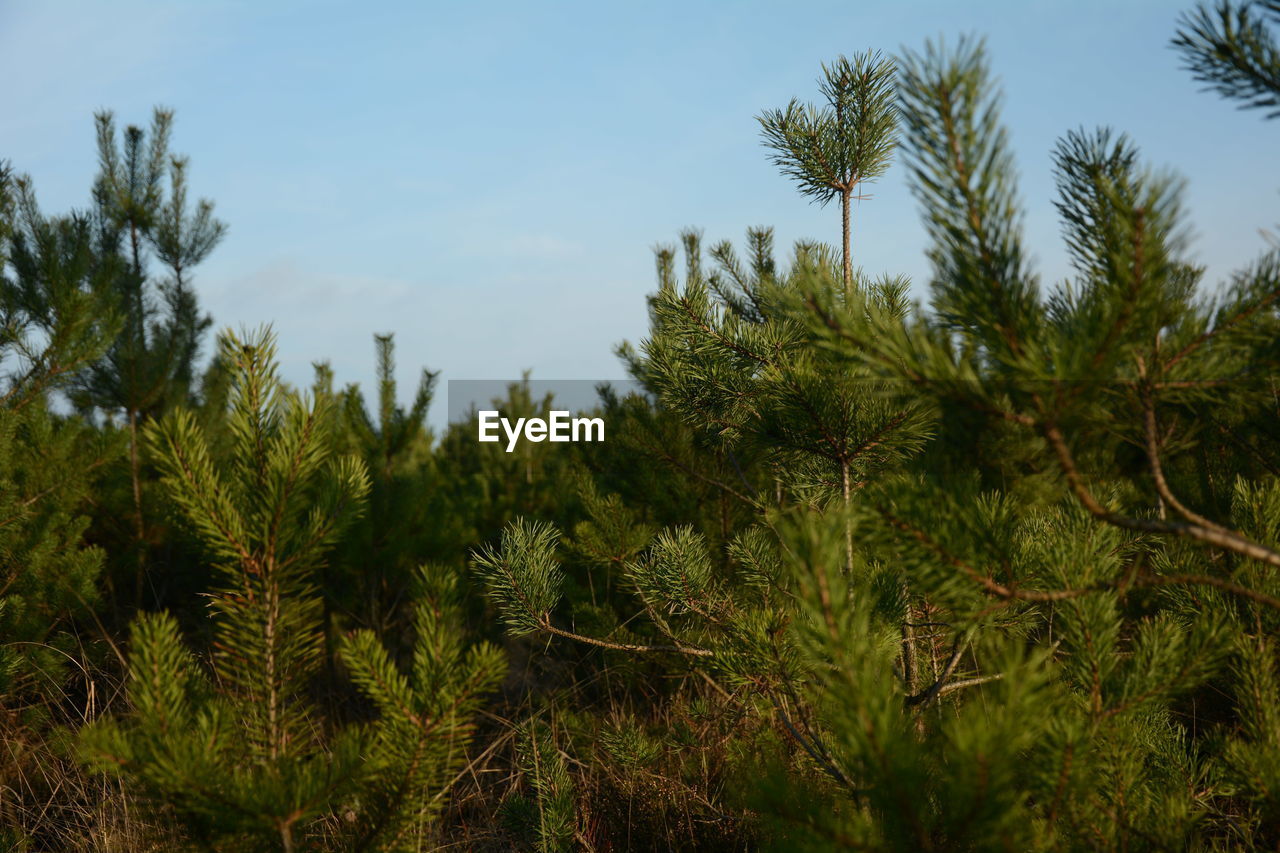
column 833, row 150
column 1016, row 648
column 1082, row 621
column 375, row 564
column 241, row 754
column 141, row 199
column 54, row 317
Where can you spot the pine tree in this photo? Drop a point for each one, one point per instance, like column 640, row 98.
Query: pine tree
column 552, row 823
column 832, row 151
column 1234, row 48
column 1102, row 588
column 1013, row 648
column 243, row 758
column 53, row 319
column 57, row 314
column 376, row 562
column 425, row 725
column 141, row 198
column 724, row 357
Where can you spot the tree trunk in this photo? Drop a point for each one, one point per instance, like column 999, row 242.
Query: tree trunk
column 140, row 531
column 137, row 248
column 845, row 198
column 847, row 490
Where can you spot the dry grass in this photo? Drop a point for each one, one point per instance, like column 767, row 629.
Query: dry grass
column 48, row 799
column 670, row 794
column 670, row 789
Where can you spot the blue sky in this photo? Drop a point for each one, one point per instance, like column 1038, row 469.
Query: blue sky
column 486, row 180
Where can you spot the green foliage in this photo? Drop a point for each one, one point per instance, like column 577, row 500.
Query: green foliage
column 141, row 200
column 1231, row 46
column 424, row 723
column 522, row 576
column 968, row 651
column 47, row 572
column 243, row 757
column 612, row 532
column 848, row 141
column 55, row 313
column 752, row 377
column 554, row 821
column 376, row 562
column 1084, row 375
column 832, row 151
column 53, row 319
column 141, row 213
column 967, row 193
column 996, row 571
column 239, row 755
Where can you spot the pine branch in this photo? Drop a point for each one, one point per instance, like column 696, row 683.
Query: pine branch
column 1230, row 47
column 998, row 590
column 1157, row 470
column 625, row 647
column 1219, row 537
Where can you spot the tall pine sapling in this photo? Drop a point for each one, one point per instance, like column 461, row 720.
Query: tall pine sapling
column 378, row 558
column 1115, row 578
column 239, row 756
column 831, row 151
column 54, row 318
column 243, row 758
column 141, row 198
